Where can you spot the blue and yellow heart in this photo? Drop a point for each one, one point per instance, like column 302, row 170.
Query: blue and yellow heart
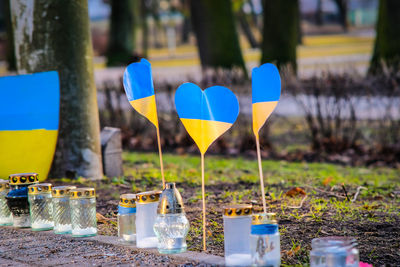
column 206, row 114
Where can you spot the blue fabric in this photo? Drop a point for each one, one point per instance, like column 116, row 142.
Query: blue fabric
column 138, row 81
column 266, row 83
column 124, row 210
column 264, row 229
column 216, row 103
column 29, row 102
column 22, row 192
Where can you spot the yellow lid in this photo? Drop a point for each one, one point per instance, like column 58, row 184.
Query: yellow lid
column 4, row 185
column 23, row 178
column 148, row 197
column 238, row 210
column 85, row 192
column 62, row 191
column 36, row 189
column 127, row 200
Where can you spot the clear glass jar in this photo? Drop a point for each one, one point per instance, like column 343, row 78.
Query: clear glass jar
column 5, row 214
column 83, row 212
column 17, row 198
column 334, row 251
column 41, row 207
column 171, row 226
column 146, row 214
column 265, row 244
column 237, row 224
column 61, row 209
column 127, row 218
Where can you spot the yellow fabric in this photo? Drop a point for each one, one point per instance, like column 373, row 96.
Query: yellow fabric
column 147, row 107
column 261, row 112
column 203, row 132
column 27, row 151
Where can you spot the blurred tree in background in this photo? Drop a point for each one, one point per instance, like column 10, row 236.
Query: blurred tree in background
column 123, row 21
column 217, row 39
column 54, row 35
column 280, row 32
column 343, row 8
column 387, row 42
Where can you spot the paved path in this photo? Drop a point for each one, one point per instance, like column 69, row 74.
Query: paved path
column 22, row 247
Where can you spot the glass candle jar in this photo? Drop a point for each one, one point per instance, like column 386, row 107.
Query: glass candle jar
column 5, row 214
column 334, row 251
column 237, row 224
column 127, row 217
column 171, row 226
column 17, row 198
column 265, row 242
column 146, row 214
column 61, row 209
column 41, row 207
column 83, row 212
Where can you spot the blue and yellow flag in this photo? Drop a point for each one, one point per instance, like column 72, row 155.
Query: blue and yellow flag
column 139, row 88
column 207, row 114
column 29, row 116
column 266, row 92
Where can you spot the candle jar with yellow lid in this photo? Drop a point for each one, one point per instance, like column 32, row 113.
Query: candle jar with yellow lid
column 83, row 212
column 127, row 217
column 40, row 206
column 171, row 226
column 61, row 209
column 237, row 224
column 5, row 214
column 17, row 197
column 146, row 214
column 265, row 240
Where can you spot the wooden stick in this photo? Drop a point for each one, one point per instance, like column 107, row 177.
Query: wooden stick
column 261, row 173
column 161, row 159
column 203, row 193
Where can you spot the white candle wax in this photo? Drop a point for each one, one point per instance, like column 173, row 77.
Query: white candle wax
column 63, row 228
column 148, row 242
column 238, row 260
column 129, row 238
column 84, row 231
column 42, row 225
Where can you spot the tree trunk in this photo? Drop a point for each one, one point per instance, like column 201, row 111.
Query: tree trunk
column 280, row 33
column 217, row 38
column 342, row 7
column 54, row 35
column 11, row 64
column 387, row 42
column 145, row 27
column 122, row 32
column 246, row 29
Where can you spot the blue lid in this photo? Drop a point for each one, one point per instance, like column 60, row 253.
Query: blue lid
column 264, row 229
column 125, row 210
column 21, row 192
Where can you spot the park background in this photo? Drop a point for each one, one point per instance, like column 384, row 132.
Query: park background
column 331, row 149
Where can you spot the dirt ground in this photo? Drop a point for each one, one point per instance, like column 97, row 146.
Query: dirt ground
column 377, row 233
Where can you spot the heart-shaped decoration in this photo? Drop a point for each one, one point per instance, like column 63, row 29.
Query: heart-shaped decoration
column 206, row 114
column 266, row 91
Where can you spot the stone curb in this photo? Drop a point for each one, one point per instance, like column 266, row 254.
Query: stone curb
column 201, row 258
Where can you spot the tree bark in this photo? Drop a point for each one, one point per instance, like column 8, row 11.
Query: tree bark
column 280, row 33
column 54, row 35
column 217, row 38
column 122, row 32
column 387, row 42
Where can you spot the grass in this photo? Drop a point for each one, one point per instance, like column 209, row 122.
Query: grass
column 186, row 168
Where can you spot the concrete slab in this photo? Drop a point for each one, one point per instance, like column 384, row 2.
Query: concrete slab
column 22, row 247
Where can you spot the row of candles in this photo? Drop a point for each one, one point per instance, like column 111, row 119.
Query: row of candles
column 156, row 219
